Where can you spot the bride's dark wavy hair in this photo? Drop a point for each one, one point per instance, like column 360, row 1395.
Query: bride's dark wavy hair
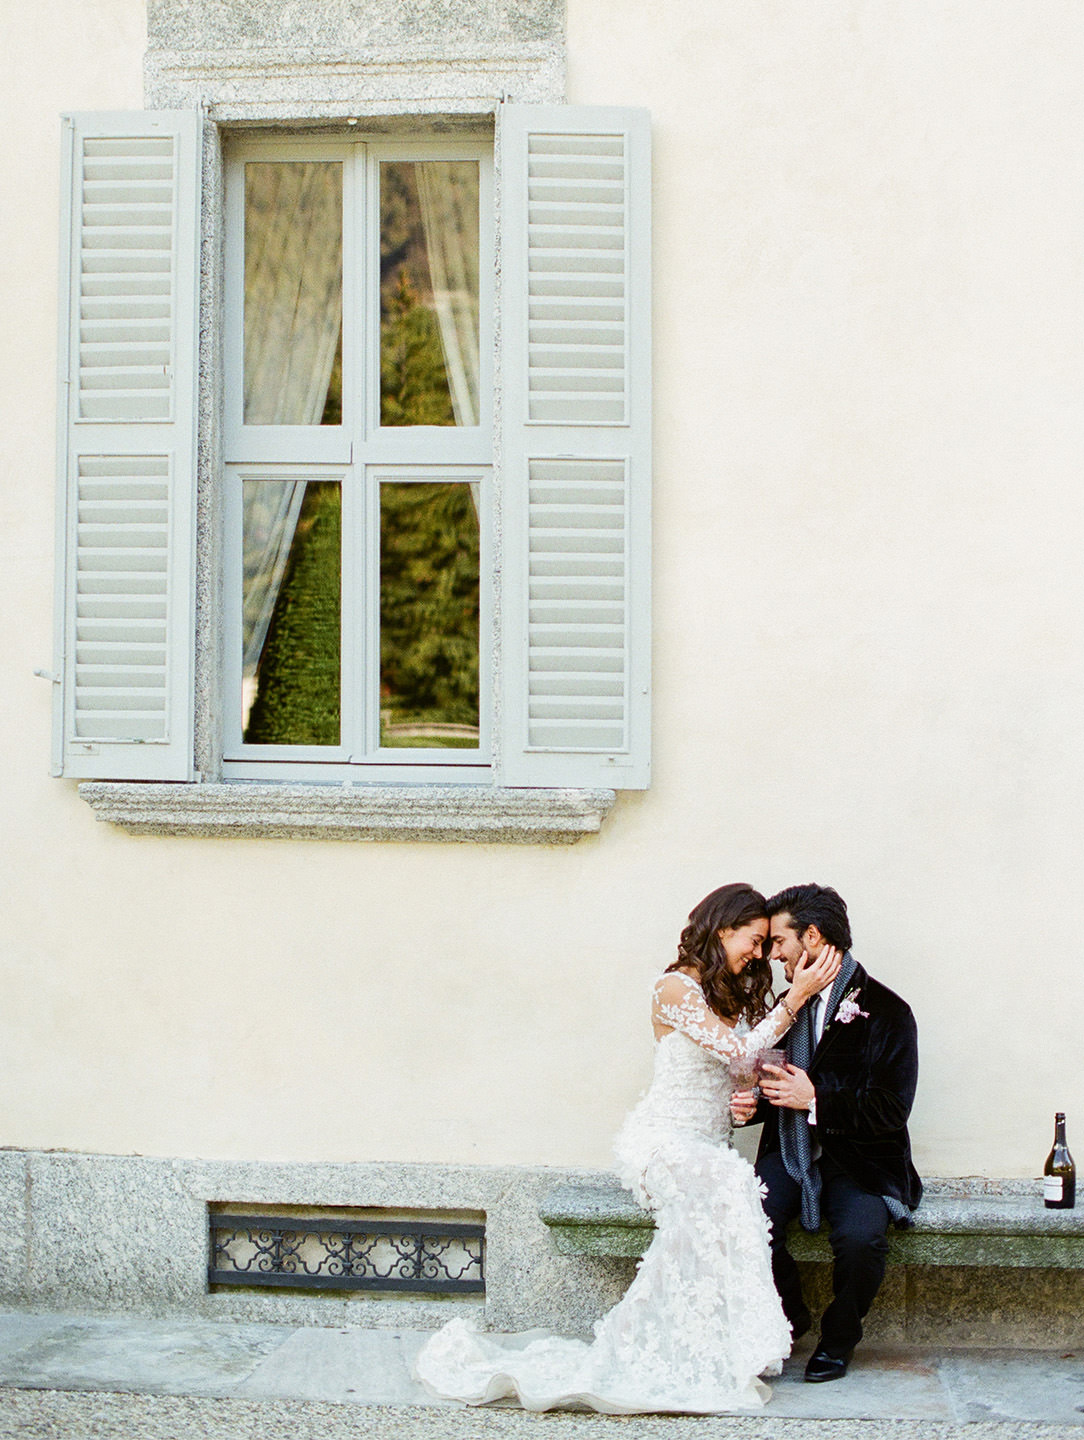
column 732, row 997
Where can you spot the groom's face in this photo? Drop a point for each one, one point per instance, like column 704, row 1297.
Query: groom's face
column 787, row 944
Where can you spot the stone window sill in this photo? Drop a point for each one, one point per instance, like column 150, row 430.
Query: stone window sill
column 360, row 812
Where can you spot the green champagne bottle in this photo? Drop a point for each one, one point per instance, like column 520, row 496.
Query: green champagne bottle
column 1059, row 1172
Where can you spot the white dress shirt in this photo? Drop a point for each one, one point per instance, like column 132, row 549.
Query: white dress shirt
column 820, row 1010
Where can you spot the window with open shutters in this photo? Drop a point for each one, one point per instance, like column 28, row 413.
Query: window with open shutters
column 434, row 477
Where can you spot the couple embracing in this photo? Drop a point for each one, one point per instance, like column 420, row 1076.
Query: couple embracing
column 717, row 1299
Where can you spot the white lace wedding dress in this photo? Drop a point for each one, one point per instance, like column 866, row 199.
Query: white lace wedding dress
column 701, row 1321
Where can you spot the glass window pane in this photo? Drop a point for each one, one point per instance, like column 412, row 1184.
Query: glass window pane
column 293, row 293
column 429, row 292
column 429, row 595
column 291, row 612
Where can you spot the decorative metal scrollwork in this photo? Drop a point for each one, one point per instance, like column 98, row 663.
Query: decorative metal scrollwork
column 426, row 1256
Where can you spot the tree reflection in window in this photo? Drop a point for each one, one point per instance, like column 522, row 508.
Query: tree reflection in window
column 429, row 606
column 429, row 292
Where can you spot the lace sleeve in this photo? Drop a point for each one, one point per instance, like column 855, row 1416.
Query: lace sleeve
column 679, row 1002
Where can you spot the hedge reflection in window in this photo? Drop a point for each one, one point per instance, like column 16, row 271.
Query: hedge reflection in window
column 292, row 613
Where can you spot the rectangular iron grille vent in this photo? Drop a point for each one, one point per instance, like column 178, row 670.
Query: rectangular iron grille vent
column 126, row 278
column 121, row 562
column 578, row 658
column 427, row 1257
column 577, row 279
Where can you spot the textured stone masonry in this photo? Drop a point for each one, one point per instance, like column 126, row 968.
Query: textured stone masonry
column 109, row 1233
column 349, row 812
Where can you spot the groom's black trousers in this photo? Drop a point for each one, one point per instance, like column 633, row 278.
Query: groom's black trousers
column 858, row 1222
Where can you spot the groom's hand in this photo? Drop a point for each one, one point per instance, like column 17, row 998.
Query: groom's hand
column 787, row 1086
column 743, row 1106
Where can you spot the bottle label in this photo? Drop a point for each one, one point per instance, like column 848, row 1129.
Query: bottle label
column 1052, row 1187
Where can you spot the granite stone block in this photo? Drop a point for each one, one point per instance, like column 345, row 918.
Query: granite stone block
column 972, row 1306
column 529, row 1282
column 207, row 673
column 967, row 1307
column 113, row 1232
column 14, row 1236
column 886, row 1323
column 261, row 60
column 348, row 25
column 364, row 812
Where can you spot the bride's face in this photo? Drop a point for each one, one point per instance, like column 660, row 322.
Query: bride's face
column 743, row 944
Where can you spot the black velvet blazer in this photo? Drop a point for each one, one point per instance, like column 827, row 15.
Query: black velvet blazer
column 865, row 1073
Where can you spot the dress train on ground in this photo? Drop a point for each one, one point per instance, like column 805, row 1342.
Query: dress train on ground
column 701, row 1321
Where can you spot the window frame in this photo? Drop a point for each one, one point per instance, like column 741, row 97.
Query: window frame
column 357, row 453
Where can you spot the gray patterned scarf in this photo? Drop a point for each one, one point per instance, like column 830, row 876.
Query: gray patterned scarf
column 795, row 1142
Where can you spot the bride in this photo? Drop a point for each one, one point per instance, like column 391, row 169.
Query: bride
column 701, row 1320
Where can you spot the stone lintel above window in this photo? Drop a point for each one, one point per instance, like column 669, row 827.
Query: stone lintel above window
column 258, row 59
column 351, row 812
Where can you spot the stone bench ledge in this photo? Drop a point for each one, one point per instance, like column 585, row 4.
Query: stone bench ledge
column 960, row 1222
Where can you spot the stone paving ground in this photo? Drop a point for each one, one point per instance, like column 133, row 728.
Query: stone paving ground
column 76, row 1376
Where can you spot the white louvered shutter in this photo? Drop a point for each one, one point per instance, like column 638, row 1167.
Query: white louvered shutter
column 576, row 431
column 127, row 441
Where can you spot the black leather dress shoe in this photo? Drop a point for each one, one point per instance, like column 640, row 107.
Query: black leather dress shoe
column 821, row 1366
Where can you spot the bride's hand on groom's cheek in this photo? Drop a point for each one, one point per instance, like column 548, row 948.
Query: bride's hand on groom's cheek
column 826, row 967
column 812, row 976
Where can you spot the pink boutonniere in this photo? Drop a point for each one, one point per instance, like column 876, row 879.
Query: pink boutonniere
column 848, row 1010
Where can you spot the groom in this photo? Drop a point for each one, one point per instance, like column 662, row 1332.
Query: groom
column 835, row 1125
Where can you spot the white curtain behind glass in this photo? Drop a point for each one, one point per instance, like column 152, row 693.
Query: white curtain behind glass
column 293, row 318
column 293, row 289
column 448, row 195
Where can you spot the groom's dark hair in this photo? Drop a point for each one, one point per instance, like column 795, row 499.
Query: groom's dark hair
column 815, row 905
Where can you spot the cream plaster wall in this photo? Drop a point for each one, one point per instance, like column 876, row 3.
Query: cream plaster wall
column 870, row 334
